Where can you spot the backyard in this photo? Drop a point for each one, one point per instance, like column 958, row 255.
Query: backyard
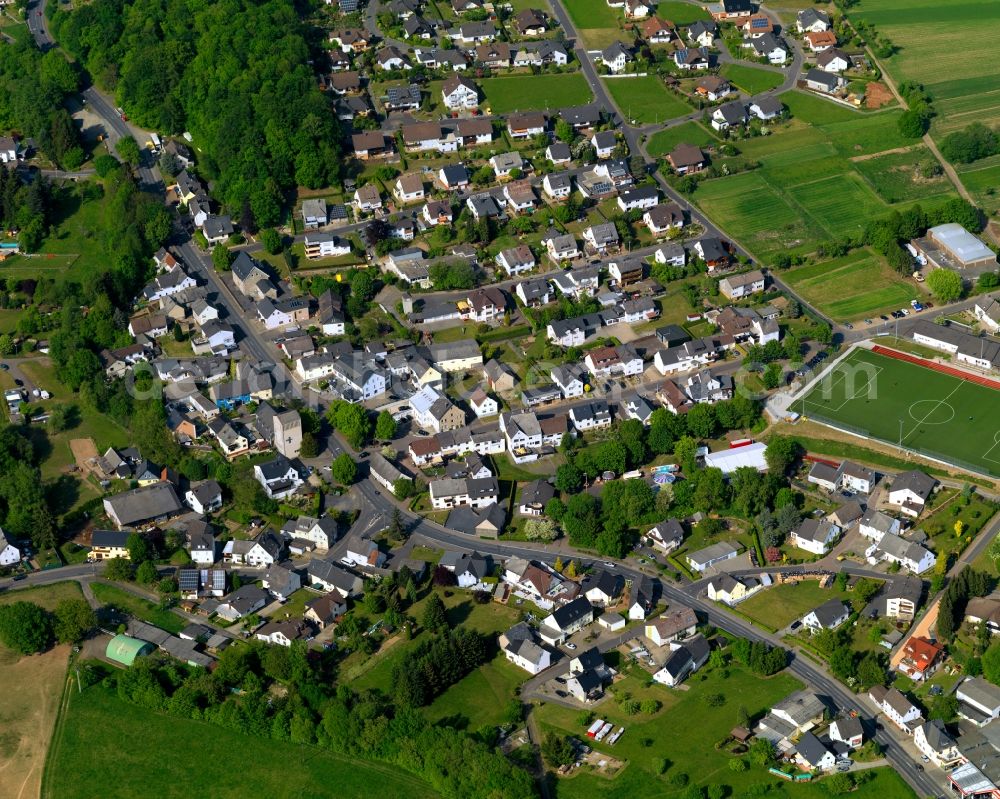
column 663, row 141
column 95, row 752
column 141, row 608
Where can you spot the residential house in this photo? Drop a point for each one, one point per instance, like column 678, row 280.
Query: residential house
column 204, row 497
column 691, row 58
column 910, row 491
column 685, row 158
column 656, row 31
column 278, row 477
column 526, row 125
column 797, row 713
column 770, row 47
column 828, row 616
column 329, row 577
column 703, row 33
column 921, row 658
column 811, row 19
column 815, row 536
column 666, row 536
column 713, row 252
column 156, row 502
column 730, row 115
column 812, row 755
column 516, row 260
column 875, row 524
column 847, row 731
column 833, row 60
column 281, row 582
column 593, row 415
column 821, row 81
column 459, row 93
column 900, row 710
column 641, row 597
column 978, row 701
column 535, row 496
column 326, row 609
column 604, row 143
column 736, row 287
column 566, row 620
column 483, row 405
column 557, row 186
column 319, row 533
column 601, row 237
column 684, row 659
column 602, row 587
column 242, row 602
column 615, row 57
column 766, row 107
column 520, row 648
column 935, row 743
column 674, row 624
column 364, row 554
column 104, row 545
column 451, row 492
column 908, row 554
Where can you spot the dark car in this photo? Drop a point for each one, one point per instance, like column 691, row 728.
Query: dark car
column 4, row 367
column 18, row 382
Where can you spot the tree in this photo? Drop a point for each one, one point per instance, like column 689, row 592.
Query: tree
column 823, row 334
column 991, row 663
column 222, row 258
column 309, row 447
column 344, row 469
column 569, row 479
column 118, row 570
column 557, row 750
column 146, row 573
column 435, row 618
column 271, row 239
column 701, row 421
column 74, row 618
column 351, row 421
column 839, row 783
column 945, row 285
column 139, row 548
column 403, row 488
column 564, row 131
column 781, row 453
column 540, row 530
column 25, row 627
column 385, row 427
column 912, row 123
column 128, row 148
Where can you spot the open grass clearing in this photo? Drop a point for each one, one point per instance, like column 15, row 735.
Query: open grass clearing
column 816, row 110
column 592, row 14
column 752, row 80
column 480, row 698
column 116, row 750
column 646, row 99
column 924, row 410
column 855, row 286
column 841, row 203
column 545, row 92
column 680, row 12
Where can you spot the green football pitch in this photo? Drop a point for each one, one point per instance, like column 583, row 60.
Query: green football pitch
column 909, row 405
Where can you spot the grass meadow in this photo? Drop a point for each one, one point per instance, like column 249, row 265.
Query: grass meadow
column 663, row 141
column 752, row 80
column 646, row 99
column 107, row 747
column 857, row 285
column 506, row 94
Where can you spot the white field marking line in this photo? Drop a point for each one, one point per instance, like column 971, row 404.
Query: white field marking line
column 854, row 396
column 937, row 405
column 996, row 443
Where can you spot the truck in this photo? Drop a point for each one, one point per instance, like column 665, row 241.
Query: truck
column 608, row 726
column 595, row 728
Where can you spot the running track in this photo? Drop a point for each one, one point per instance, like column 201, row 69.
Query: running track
column 937, row 367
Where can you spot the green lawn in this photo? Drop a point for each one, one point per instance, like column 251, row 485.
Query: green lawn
column 646, row 99
column 780, row 605
column 104, row 746
column 815, row 110
column 296, row 604
column 752, row 80
column 929, row 412
column 137, row 606
column 679, row 12
column 940, row 525
column 664, row 141
column 507, row 94
column 592, row 14
column 857, row 285
column 688, row 747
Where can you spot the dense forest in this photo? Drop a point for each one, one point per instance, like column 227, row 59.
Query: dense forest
column 246, row 92
column 32, row 90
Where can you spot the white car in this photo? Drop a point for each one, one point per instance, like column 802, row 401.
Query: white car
column 570, row 646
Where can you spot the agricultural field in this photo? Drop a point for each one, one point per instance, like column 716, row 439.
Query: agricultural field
column 810, row 186
column 852, row 287
column 663, row 141
column 645, row 100
column 946, row 46
column 752, row 80
column 899, row 177
column 507, row 94
column 895, row 402
column 780, row 605
column 678, row 12
column 94, row 752
column 982, row 178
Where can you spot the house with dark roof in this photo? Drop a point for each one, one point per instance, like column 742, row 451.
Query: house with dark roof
column 602, row 587
column 828, row 616
column 563, row 622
